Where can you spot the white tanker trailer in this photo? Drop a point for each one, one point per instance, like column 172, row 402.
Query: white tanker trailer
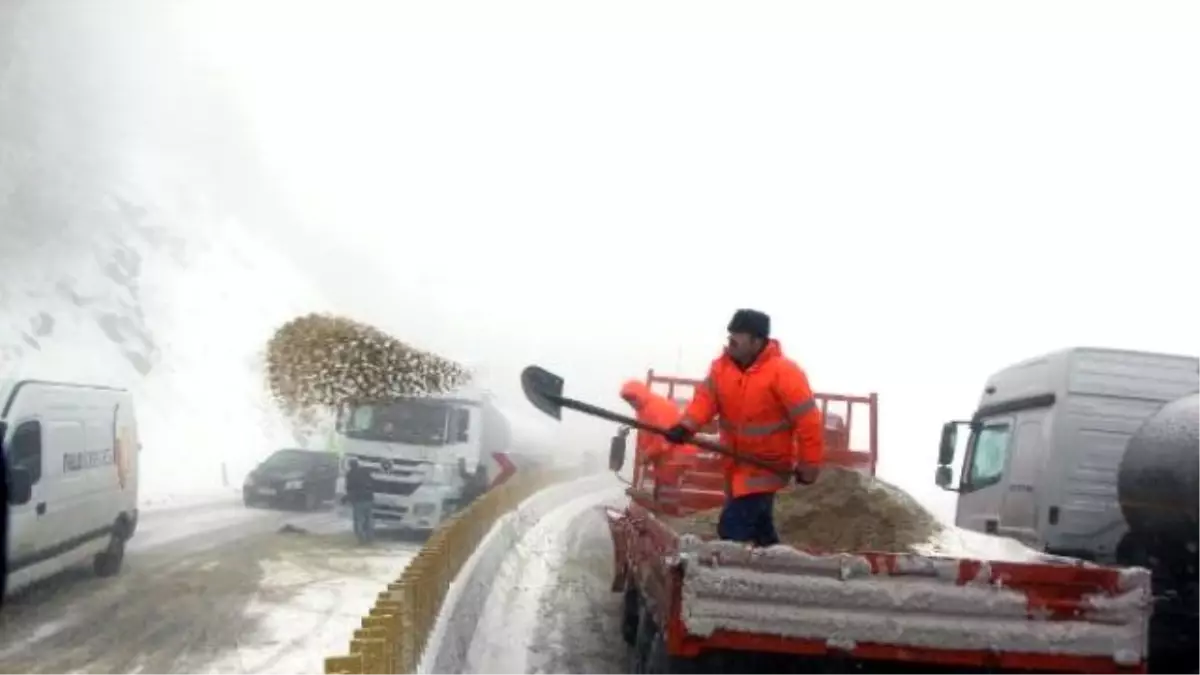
column 430, row 456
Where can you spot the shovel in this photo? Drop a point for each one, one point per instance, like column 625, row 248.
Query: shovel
column 544, row 390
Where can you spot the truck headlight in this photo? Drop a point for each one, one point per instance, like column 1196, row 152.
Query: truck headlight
column 424, row 509
column 293, row 485
column 440, row 474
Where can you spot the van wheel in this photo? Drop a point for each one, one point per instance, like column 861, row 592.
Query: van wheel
column 108, row 562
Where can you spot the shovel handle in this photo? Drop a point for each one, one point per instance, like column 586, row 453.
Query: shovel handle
column 595, row 411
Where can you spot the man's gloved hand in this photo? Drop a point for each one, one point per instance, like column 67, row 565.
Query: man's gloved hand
column 806, row 474
column 678, row 434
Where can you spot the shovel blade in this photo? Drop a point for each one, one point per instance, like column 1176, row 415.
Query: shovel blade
column 543, row 389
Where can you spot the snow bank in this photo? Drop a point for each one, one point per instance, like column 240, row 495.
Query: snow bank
column 956, row 542
column 511, row 618
column 450, row 642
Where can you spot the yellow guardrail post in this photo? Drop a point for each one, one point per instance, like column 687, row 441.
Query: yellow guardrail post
column 396, row 629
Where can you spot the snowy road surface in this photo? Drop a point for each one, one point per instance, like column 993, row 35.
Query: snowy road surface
column 207, row 587
column 551, row 610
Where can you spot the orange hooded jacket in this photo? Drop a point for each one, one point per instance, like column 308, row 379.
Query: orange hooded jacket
column 766, row 411
column 668, row 461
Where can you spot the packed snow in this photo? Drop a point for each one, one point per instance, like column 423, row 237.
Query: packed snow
column 836, row 597
column 208, row 588
column 309, row 605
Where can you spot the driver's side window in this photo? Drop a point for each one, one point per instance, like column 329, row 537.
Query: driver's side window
column 989, row 455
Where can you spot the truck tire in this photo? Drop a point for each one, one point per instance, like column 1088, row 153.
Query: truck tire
column 107, row 563
column 629, row 616
column 649, row 654
column 659, row 661
column 640, row 650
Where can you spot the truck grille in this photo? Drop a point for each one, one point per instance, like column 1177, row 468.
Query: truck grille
column 388, row 487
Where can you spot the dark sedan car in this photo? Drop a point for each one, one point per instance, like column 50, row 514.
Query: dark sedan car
column 302, row 479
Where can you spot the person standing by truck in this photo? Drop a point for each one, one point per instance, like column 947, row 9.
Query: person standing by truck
column 362, row 500
column 667, row 462
column 765, row 409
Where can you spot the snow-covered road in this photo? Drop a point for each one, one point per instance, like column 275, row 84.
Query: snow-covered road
column 207, row 586
column 550, row 609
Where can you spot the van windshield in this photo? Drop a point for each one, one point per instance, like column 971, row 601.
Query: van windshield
column 413, row 421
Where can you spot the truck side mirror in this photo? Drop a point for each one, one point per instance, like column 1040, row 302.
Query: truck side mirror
column 616, row 453
column 949, row 442
column 20, row 485
column 944, row 477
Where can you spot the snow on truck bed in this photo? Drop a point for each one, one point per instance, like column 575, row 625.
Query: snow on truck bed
column 922, row 603
column 827, row 582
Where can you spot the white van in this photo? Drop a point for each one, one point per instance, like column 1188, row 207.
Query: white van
column 72, row 457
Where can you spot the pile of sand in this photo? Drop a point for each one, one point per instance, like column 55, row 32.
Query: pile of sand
column 843, row 511
column 319, row 361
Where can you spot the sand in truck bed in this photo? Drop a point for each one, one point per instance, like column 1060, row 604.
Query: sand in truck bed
column 844, row 511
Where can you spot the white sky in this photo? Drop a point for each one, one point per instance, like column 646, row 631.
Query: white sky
column 918, row 193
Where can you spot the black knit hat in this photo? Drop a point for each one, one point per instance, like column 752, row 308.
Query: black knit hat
column 751, row 321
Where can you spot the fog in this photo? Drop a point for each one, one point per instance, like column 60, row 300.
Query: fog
column 918, row 197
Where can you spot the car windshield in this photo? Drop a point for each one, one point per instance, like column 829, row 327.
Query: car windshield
column 296, row 459
column 413, row 421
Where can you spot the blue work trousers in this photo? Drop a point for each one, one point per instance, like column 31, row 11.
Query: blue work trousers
column 750, row 518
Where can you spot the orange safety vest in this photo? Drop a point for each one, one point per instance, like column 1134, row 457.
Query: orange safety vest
column 766, row 411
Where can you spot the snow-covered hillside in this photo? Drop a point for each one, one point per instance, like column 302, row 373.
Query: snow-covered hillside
column 130, row 253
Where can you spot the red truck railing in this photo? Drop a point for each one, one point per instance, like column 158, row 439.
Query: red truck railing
column 842, row 445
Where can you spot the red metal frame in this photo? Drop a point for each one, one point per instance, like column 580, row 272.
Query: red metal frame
column 645, row 558
column 703, row 486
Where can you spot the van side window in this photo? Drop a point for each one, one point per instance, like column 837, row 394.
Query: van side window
column 989, row 455
column 26, row 449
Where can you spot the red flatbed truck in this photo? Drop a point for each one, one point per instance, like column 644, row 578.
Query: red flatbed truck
column 697, row 605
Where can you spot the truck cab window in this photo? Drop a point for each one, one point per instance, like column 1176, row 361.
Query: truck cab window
column 26, row 449
column 462, row 425
column 989, row 455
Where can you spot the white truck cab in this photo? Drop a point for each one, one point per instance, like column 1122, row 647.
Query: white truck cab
column 428, row 456
column 71, row 451
column 1043, row 448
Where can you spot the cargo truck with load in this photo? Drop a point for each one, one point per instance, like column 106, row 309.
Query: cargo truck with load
column 431, row 456
column 694, row 604
column 1092, row 453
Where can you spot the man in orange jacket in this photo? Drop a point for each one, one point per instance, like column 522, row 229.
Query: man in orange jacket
column 765, row 409
column 657, row 410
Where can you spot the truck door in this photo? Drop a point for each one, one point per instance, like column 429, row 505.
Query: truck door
column 999, row 488
column 983, row 485
column 1026, row 464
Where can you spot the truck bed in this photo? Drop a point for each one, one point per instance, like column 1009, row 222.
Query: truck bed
column 916, row 609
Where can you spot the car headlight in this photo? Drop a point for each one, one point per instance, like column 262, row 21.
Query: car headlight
column 293, row 485
column 424, row 509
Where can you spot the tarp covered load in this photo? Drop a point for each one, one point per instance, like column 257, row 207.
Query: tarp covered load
column 320, row 361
